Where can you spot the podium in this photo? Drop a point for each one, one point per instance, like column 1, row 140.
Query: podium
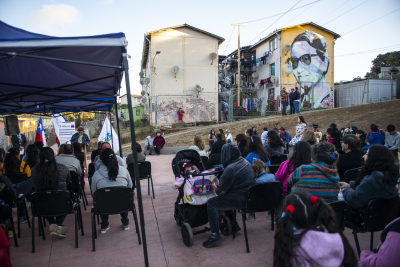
column 83, row 145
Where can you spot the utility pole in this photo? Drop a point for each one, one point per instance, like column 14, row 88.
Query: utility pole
column 239, row 59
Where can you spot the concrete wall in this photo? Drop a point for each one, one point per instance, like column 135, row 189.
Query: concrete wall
column 189, row 50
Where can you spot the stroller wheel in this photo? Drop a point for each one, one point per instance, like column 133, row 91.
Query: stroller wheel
column 178, row 221
column 187, row 234
column 225, row 225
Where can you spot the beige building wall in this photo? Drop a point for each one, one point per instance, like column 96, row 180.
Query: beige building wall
column 189, row 50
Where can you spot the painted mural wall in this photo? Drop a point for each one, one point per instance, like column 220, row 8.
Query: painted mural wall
column 312, row 60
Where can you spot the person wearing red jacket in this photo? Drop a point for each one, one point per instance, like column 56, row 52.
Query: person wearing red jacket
column 158, row 143
column 180, row 114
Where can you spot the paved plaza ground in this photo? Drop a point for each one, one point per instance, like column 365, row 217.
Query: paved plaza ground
column 164, row 241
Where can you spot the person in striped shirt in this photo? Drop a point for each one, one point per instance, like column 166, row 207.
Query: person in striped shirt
column 320, row 178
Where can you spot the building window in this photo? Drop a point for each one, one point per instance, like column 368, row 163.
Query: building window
column 138, row 100
column 276, row 43
column 273, row 44
column 271, row 93
column 137, row 112
column 272, row 67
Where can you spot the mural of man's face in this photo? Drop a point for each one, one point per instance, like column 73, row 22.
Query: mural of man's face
column 310, row 67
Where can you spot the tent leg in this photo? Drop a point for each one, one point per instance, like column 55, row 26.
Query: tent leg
column 119, row 135
column 135, row 159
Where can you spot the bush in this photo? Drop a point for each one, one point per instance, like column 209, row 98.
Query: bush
column 271, row 104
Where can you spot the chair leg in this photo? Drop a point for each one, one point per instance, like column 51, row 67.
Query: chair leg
column 33, row 234
column 15, row 236
column 152, row 187
column 84, row 194
column 76, row 229
column 357, row 244
column 148, row 185
column 272, row 219
column 372, row 241
column 98, row 219
column 41, row 227
column 93, row 232
column 27, row 214
column 80, row 220
column 136, row 224
column 81, row 195
column 18, row 222
column 245, row 230
column 234, row 228
column 44, row 222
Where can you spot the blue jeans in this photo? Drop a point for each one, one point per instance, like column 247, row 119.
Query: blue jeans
column 296, row 106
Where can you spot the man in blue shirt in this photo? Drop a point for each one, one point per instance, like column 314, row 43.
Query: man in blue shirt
column 285, row 136
column 225, row 110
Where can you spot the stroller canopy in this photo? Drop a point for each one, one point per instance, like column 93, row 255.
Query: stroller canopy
column 188, row 155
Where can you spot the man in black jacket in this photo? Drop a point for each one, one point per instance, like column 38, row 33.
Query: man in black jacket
column 231, row 192
column 291, row 101
column 19, row 141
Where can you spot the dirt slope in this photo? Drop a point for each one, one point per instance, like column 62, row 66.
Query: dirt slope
column 382, row 113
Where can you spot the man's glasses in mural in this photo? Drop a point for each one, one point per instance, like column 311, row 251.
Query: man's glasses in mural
column 305, row 59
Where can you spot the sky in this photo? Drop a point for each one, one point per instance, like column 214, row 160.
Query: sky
column 354, row 51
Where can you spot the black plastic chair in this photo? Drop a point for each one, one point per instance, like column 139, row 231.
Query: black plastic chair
column 144, row 173
column 15, row 178
column 54, row 203
column 79, row 188
column 260, row 198
column 6, row 212
column 111, row 201
column 278, row 159
column 273, row 168
column 204, row 159
column 380, row 212
column 340, row 209
column 350, row 175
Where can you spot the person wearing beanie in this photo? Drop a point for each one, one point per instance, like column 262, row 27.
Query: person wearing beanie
column 97, row 161
column 285, row 136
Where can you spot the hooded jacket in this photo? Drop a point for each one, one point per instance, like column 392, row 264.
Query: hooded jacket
column 100, row 178
column 317, row 180
column 238, row 174
column 148, row 141
column 370, row 188
column 217, row 146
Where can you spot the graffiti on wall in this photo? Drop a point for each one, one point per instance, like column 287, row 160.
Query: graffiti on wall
column 310, row 63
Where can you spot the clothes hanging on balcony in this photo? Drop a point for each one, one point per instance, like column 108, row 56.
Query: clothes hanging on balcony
column 244, row 105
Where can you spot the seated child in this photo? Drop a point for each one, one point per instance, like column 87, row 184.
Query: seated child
column 262, row 175
column 187, row 166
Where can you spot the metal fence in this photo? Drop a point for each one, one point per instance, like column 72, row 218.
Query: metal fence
column 353, row 93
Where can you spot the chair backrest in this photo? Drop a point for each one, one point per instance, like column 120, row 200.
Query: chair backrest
column 264, row 197
column 144, row 169
column 351, row 175
column 278, row 159
column 380, row 212
column 204, row 159
column 340, row 209
column 51, row 203
column 75, row 179
column 16, row 177
column 91, row 170
column 113, row 200
column 273, row 168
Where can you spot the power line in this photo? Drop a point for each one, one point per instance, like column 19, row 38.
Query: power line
column 333, row 11
column 279, row 13
column 274, row 22
column 369, row 51
column 371, row 21
column 345, row 12
column 300, row 13
column 229, row 40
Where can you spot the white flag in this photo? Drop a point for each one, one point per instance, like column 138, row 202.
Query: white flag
column 107, row 136
column 56, row 119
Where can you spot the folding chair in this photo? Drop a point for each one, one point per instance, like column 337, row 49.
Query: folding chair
column 54, row 203
column 16, row 178
column 273, row 168
column 79, row 188
column 351, row 175
column 260, row 198
column 111, row 201
column 340, row 209
column 380, row 212
column 278, row 159
column 144, row 173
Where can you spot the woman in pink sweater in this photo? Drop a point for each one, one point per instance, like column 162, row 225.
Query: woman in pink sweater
column 301, row 156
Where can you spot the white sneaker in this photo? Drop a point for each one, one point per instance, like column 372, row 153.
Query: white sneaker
column 125, row 227
column 103, row 231
column 57, row 235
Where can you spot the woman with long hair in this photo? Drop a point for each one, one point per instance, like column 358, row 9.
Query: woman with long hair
column 223, row 138
column 198, row 145
column 319, row 178
column 256, row 150
column 377, row 179
column 12, row 163
column 32, row 155
column 275, row 145
column 254, row 130
column 353, row 156
column 300, row 129
column 79, row 154
column 333, row 136
column 211, row 139
column 111, row 174
column 301, row 156
column 50, row 175
column 308, row 235
column 241, row 142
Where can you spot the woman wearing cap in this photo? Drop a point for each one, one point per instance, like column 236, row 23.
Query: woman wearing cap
column 110, row 174
column 80, row 137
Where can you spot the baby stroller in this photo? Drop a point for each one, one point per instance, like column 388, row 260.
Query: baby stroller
column 188, row 216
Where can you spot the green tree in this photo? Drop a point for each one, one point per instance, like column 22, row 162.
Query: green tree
column 389, row 59
column 357, row 78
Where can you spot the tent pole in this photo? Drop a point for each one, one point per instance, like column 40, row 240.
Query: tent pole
column 119, row 135
column 135, row 159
